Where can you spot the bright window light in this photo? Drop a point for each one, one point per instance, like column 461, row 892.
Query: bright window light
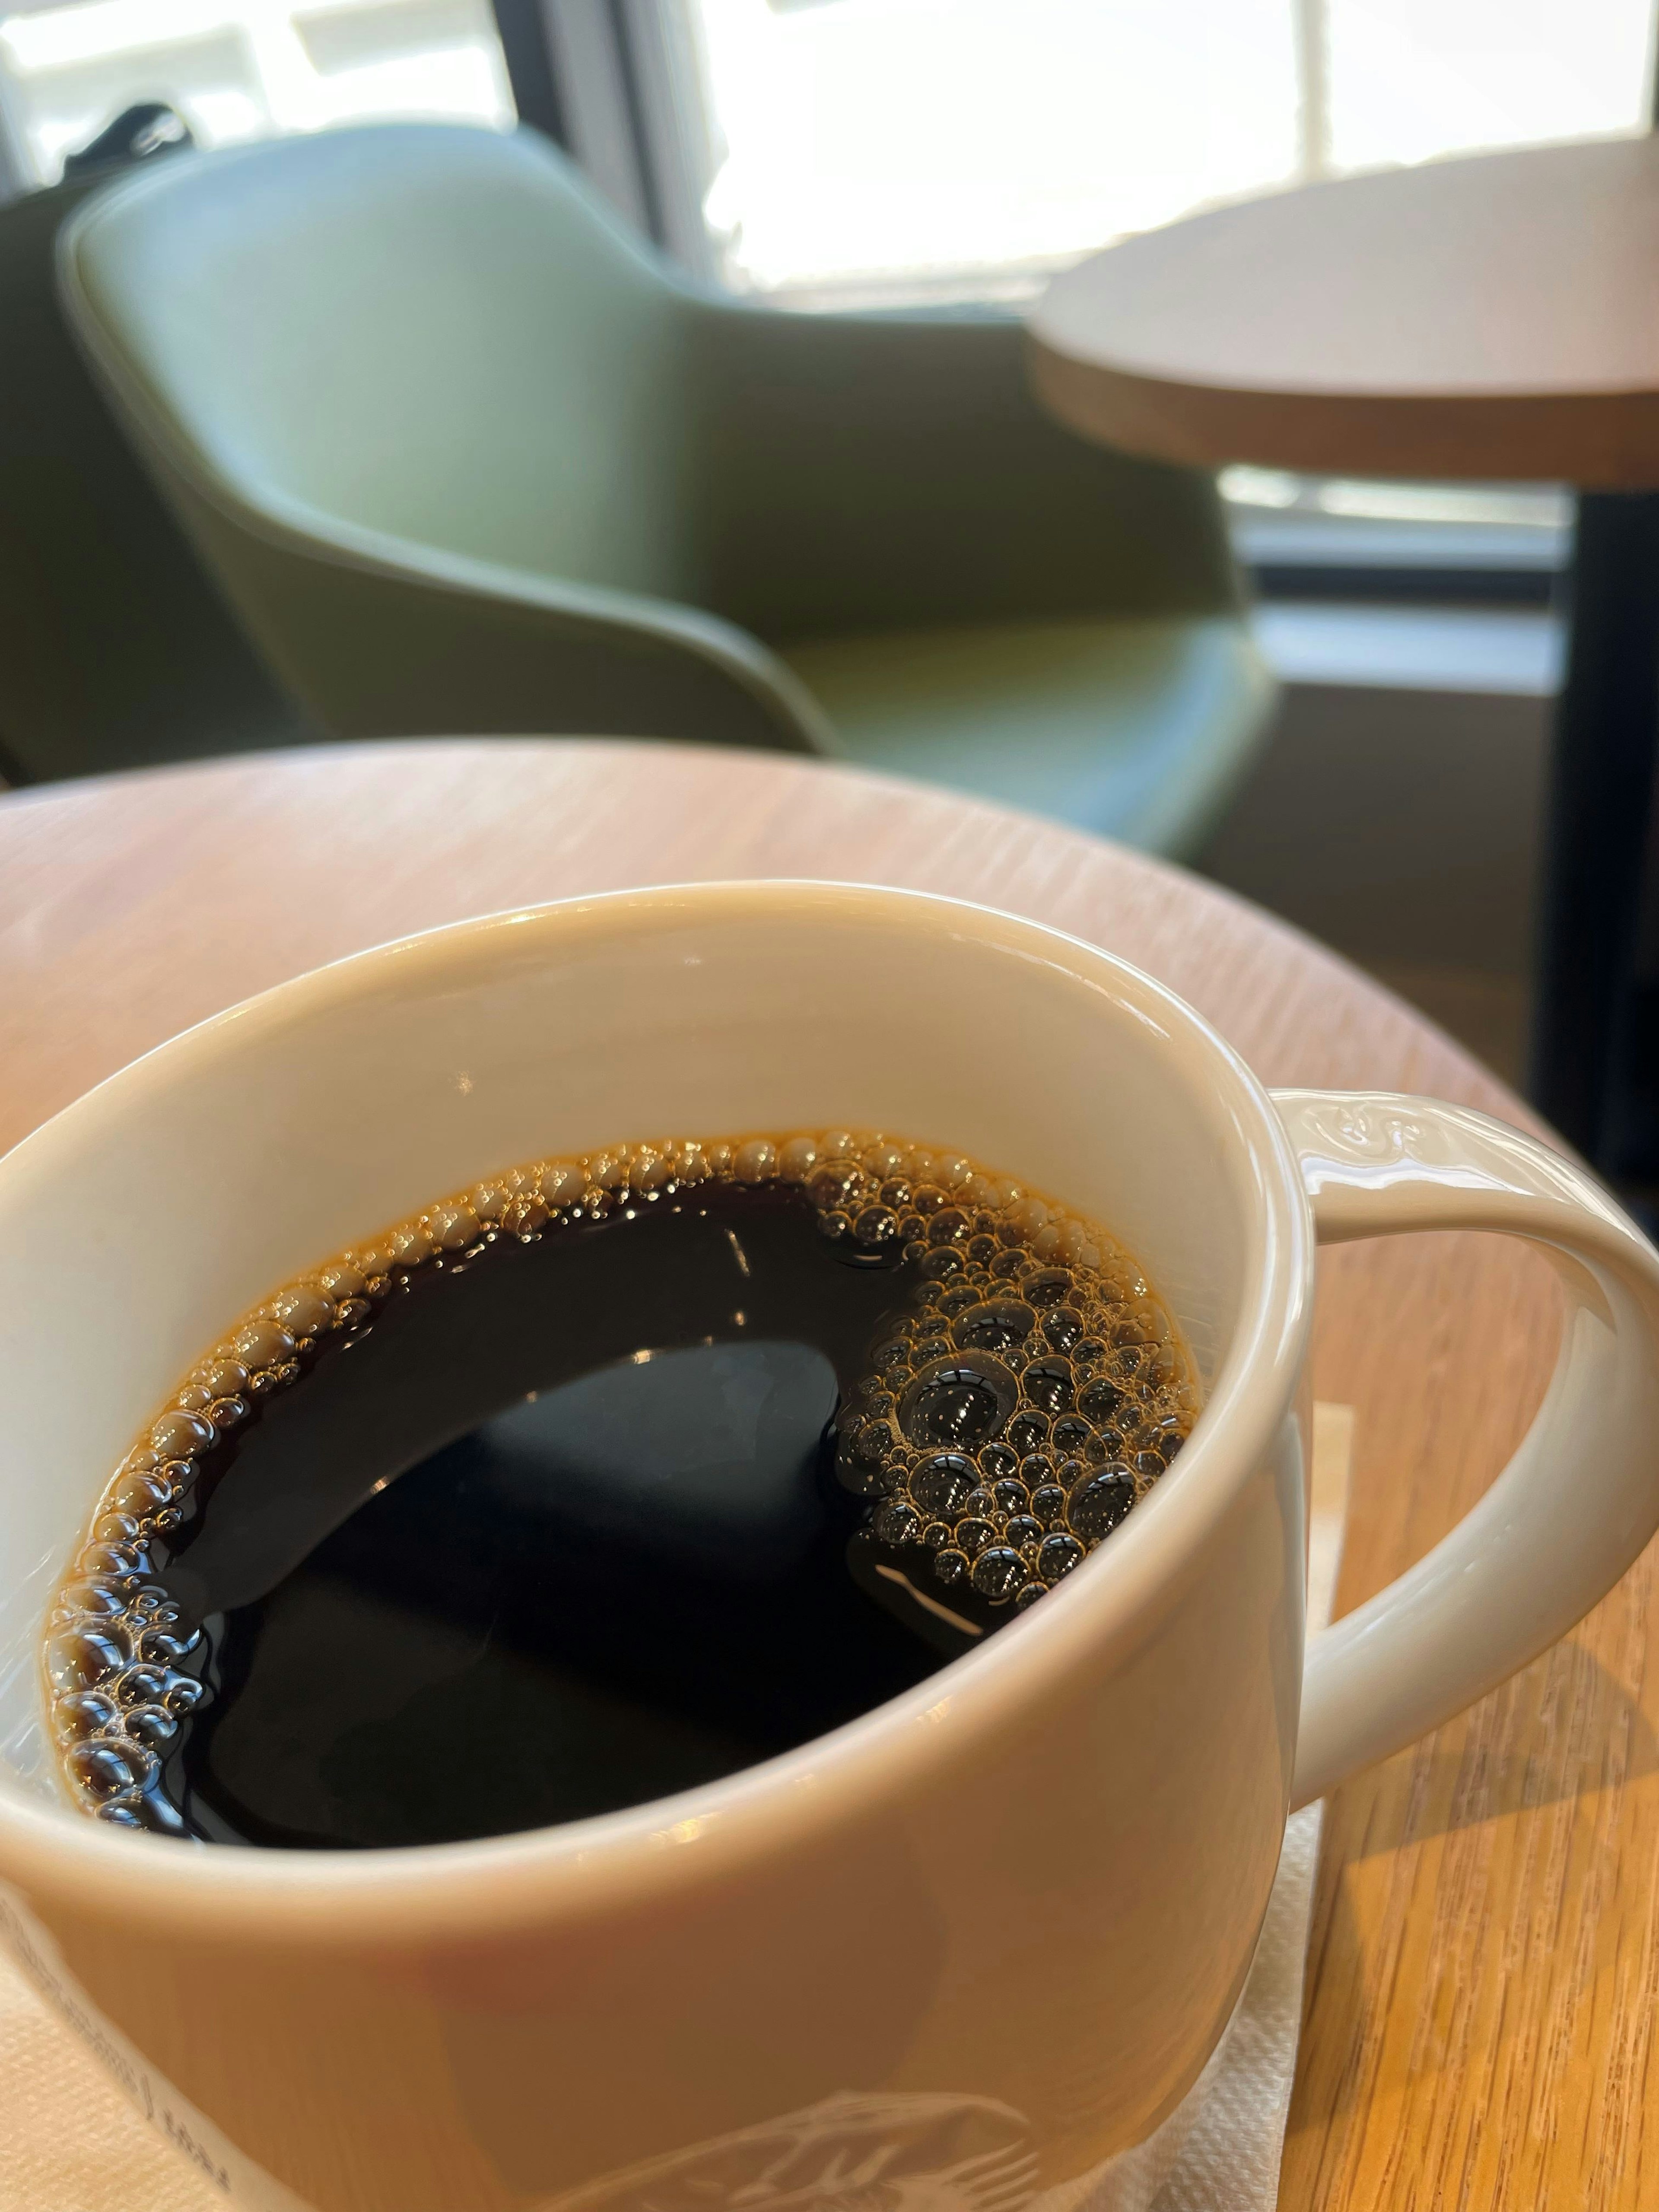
column 1261, row 487
column 1410, row 79
column 912, row 148
column 1466, row 503
column 893, row 139
column 237, row 69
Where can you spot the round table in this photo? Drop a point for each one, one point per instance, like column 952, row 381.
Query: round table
column 1485, row 1943
column 1492, row 316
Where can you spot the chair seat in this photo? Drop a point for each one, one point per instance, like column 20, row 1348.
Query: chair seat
column 1138, row 729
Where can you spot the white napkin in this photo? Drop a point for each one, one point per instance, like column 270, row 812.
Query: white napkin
column 71, row 2143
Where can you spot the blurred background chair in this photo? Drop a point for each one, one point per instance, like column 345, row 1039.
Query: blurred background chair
column 114, row 646
column 465, row 455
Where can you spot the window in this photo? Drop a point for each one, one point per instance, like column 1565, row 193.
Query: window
column 241, row 69
column 890, row 149
column 1409, row 79
column 881, row 152
column 912, row 149
column 1399, row 540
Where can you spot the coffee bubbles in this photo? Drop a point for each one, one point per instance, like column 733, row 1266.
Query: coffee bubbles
column 1031, row 1397
column 739, row 1436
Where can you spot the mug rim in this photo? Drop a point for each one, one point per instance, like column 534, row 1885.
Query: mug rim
column 468, row 1888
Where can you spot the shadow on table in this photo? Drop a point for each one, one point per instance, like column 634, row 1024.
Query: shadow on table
column 1425, row 1905
column 1586, row 1732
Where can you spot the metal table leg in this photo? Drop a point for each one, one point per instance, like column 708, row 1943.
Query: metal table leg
column 1594, row 1071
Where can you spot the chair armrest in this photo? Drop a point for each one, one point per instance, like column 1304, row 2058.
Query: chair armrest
column 872, row 471
column 378, row 636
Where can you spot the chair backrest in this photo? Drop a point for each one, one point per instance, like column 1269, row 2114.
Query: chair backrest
column 427, row 330
column 115, row 649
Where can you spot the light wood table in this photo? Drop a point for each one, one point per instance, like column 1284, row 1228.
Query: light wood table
column 1486, row 1947
column 1494, row 316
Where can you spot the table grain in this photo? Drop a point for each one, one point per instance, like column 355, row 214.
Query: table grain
column 1484, row 1951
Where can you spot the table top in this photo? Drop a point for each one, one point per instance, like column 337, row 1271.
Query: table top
column 1484, row 1949
column 1491, row 316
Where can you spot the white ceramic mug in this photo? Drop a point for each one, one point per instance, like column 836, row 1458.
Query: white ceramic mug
column 980, row 1940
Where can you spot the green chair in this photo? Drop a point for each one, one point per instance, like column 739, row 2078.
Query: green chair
column 466, row 456
column 114, row 648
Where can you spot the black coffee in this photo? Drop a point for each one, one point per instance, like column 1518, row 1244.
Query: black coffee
column 608, row 1479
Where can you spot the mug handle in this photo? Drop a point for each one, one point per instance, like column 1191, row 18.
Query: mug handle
column 1575, row 1505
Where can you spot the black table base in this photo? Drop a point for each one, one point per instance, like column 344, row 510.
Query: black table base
column 1595, row 1033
